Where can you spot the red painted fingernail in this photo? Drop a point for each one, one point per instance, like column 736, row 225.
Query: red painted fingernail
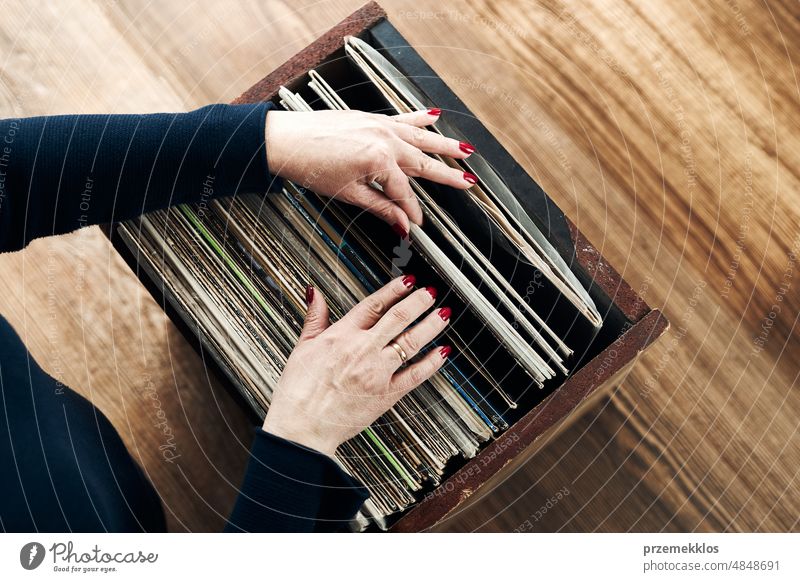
column 434, row 111
column 409, row 281
column 471, row 178
column 445, row 351
column 465, row 147
column 399, row 230
column 309, row 295
column 432, row 291
column 445, row 313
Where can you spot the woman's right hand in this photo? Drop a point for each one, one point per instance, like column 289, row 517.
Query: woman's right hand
column 340, row 378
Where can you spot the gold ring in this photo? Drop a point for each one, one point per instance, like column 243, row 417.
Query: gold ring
column 400, row 351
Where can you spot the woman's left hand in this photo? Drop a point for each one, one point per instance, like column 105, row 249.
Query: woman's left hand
column 339, row 154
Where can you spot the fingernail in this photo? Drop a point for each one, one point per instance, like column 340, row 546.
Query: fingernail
column 309, row 295
column 471, row 178
column 465, row 147
column 434, row 111
column 409, row 281
column 445, row 351
column 432, row 291
column 445, row 313
column 399, row 230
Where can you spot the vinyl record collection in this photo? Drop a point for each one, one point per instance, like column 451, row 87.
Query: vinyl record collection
column 237, row 268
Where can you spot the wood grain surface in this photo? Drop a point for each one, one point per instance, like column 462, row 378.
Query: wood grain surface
column 669, row 132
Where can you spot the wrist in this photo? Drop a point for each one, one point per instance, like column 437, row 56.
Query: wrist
column 301, row 435
column 274, row 142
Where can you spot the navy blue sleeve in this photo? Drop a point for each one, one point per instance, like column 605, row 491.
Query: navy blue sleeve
column 60, row 173
column 290, row 488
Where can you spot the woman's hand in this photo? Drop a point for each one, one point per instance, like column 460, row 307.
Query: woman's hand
column 340, row 153
column 340, row 378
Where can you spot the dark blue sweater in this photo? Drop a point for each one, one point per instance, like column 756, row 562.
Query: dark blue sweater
column 63, row 467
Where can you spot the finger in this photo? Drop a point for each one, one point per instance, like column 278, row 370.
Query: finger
column 415, row 163
column 410, row 377
column 370, row 310
column 418, row 118
column 417, row 337
column 396, row 187
column 317, row 317
column 376, row 202
column 402, row 314
column 432, row 142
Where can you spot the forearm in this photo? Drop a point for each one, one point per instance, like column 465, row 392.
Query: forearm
column 289, row 488
column 61, row 173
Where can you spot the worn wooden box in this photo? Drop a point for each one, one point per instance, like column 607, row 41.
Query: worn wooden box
column 630, row 326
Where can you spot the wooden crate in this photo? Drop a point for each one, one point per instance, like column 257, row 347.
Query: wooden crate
column 630, row 326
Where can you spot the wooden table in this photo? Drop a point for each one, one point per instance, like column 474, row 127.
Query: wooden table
column 667, row 130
